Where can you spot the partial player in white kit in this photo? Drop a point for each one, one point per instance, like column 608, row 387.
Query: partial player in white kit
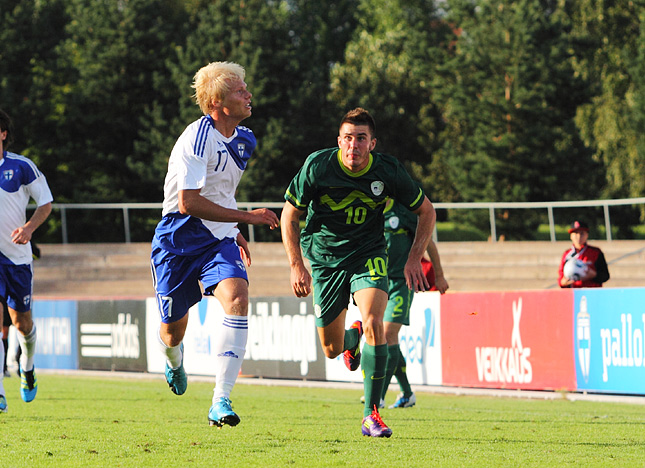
column 197, row 240
column 20, row 181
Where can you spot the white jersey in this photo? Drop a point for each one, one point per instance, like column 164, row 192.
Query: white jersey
column 20, row 180
column 202, row 159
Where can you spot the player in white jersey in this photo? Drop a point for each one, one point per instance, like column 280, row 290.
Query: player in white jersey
column 20, row 180
column 197, row 240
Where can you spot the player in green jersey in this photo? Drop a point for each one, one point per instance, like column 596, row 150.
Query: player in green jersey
column 400, row 227
column 343, row 192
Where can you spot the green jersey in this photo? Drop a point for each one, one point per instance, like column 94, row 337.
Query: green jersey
column 344, row 223
column 400, row 227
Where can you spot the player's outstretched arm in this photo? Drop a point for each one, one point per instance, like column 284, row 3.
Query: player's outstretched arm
column 290, row 226
column 413, row 271
column 192, row 203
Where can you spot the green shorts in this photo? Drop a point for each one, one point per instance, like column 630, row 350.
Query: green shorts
column 399, row 302
column 333, row 287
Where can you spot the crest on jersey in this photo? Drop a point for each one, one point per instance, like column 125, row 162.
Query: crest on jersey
column 394, row 222
column 377, row 187
column 240, row 149
column 8, row 174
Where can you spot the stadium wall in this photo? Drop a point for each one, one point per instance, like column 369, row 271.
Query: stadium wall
column 586, row 340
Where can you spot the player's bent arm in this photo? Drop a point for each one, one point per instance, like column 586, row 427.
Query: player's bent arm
column 244, row 249
column 290, row 226
column 440, row 280
column 425, row 226
column 192, row 203
column 413, row 271
column 23, row 234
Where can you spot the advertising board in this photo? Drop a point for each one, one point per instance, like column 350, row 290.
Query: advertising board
column 111, row 335
column 610, row 340
column 56, row 331
column 420, row 343
column 517, row 340
column 282, row 340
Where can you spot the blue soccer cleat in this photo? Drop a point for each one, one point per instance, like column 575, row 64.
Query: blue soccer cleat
column 404, row 402
column 373, row 426
column 352, row 357
column 3, row 404
column 28, row 384
column 176, row 378
column 221, row 413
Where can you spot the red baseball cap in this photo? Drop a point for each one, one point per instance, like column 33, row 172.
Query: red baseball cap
column 578, row 226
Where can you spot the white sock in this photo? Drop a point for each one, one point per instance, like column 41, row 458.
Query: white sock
column 229, row 350
column 28, row 346
column 173, row 354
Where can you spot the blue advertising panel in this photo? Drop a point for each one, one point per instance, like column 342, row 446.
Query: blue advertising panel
column 609, row 340
column 56, row 334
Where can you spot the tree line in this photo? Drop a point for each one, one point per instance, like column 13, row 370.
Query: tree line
column 484, row 100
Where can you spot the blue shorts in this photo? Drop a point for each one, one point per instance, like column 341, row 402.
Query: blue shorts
column 16, row 286
column 176, row 278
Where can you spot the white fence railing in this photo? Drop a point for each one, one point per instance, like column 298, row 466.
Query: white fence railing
column 65, row 208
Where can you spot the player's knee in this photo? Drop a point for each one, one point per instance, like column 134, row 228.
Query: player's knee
column 391, row 334
column 24, row 325
column 170, row 339
column 392, row 338
column 234, row 300
column 239, row 305
column 373, row 329
column 331, row 351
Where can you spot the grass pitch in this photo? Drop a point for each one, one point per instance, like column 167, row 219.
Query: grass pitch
column 80, row 420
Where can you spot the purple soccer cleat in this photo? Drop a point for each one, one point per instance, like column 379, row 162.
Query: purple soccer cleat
column 373, row 425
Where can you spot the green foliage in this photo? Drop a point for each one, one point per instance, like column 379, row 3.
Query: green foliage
column 610, row 58
column 485, row 100
column 137, row 422
column 390, row 69
column 637, row 99
column 114, row 54
column 29, row 35
column 610, row 35
column 293, row 116
column 509, row 99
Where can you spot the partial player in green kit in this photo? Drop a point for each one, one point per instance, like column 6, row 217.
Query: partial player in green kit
column 400, row 228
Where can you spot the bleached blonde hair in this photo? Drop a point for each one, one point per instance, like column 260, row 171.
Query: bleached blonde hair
column 213, row 83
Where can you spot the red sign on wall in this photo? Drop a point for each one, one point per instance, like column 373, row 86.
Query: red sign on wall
column 518, row 340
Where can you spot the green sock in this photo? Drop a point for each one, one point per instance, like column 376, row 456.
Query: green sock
column 402, row 376
column 393, row 353
column 373, row 362
column 351, row 339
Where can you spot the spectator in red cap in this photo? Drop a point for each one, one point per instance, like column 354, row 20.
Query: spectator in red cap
column 582, row 266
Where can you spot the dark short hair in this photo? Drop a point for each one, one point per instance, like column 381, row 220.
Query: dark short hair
column 359, row 116
column 6, row 125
